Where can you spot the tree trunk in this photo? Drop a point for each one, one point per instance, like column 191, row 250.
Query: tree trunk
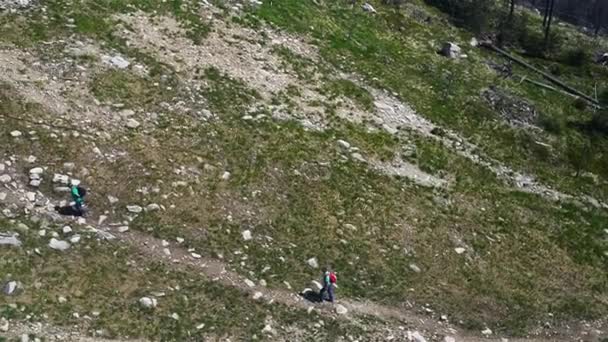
column 546, row 12
column 599, row 13
column 549, row 20
column 511, row 10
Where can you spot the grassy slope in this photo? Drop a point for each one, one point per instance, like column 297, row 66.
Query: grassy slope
column 527, row 256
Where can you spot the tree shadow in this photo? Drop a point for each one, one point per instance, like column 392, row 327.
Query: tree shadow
column 67, row 210
column 311, row 296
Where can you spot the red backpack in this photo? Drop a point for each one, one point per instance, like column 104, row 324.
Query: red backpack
column 332, row 278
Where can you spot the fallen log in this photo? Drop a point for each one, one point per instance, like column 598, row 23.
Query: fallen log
column 551, row 78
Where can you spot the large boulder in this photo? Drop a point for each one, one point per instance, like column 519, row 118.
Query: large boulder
column 450, row 50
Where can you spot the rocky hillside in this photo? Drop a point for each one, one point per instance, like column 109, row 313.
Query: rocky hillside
column 233, row 150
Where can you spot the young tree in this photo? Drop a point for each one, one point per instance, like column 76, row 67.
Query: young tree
column 549, row 20
column 599, row 15
column 546, row 12
column 511, row 10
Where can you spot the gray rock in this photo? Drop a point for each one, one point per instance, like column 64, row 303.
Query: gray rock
column 5, row 178
column 147, row 302
column 459, row 250
column 69, row 166
column 343, row 144
column 450, row 50
column 2, row 196
column 312, row 262
column 415, row 268
column 486, row 332
column 31, row 159
column 123, row 229
column 247, row 235
column 11, row 288
column 317, row 285
column 119, row 62
column 417, row 337
column 449, row 339
column 4, row 325
column 16, row 134
column 249, row 283
column 132, row 123
column 357, row 156
column 35, row 183
column 368, row 8
column 36, row 171
column 31, row 196
column 135, row 209
column 67, row 230
column 75, row 239
column 22, row 227
column 341, row 310
column 2, row 167
column 113, row 200
column 226, row 175
column 59, row 245
column 61, row 189
column 153, row 207
column 62, row 179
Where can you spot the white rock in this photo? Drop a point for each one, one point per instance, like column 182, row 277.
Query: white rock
column 486, row 332
column 36, row 183
column 4, row 325
column 31, row 196
column 62, row 300
column 123, row 229
column 449, row 339
column 31, row 159
column 16, row 134
column 247, row 235
column 2, row 196
column 226, row 175
column 417, row 337
column 119, row 62
column 59, row 245
column 36, row 171
column 67, row 230
column 451, row 50
column 75, row 239
column 179, row 240
column 164, row 243
column 312, row 262
column 317, row 285
column 132, row 123
column 249, row 283
column 341, row 310
column 152, row 207
column 61, row 179
column 415, row 268
column 69, row 166
column 200, row 326
column 257, row 295
column 134, row 209
column 147, row 302
column 345, row 145
column 175, row 316
column 10, row 288
column 42, row 233
column 459, row 250
column 2, row 167
column 22, row 227
column 368, row 8
column 474, row 42
column 196, row 256
column 25, row 338
column 5, row 178
column 113, row 200
column 267, row 329
column 101, row 220
column 357, row 156
column 9, row 240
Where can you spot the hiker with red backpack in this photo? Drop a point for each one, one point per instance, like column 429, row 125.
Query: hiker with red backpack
column 329, row 283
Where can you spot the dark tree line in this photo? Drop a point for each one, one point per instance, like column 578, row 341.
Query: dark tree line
column 592, row 14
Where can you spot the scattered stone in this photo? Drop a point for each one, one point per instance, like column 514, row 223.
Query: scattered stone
column 249, row 283
column 62, row 300
column 113, row 200
column 459, row 250
column 123, row 229
column 61, row 189
column 25, row 338
column 345, row 145
column 67, row 230
column 16, row 134
column 350, row 227
column 31, row 196
column 62, row 179
column 5, row 178
column 153, row 207
column 357, row 156
column 75, row 239
column 474, row 42
column 257, row 295
column 101, row 220
column 4, row 325
column 449, row 339
column 35, row 183
column 36, row 171
column 9, row 240
column 175, row 316
column 415, row 268
column 267, row 329
column 417, row 337
column 22, row 227
column 132, row 123
column 2, row 196
column 118, row 62
column 59, row 245
column 486, row 332
column 69, row 166
column 226, row 175
column 31, row 159
column 368, row 8
column 196, row 256
column 247, row 235
column 179, row 240
column 200, row 326
column 312, row 262
column 134, row 209
column 42, row 233
column 317, row 285
column 450, row 50
column 11, row 288
column 341, row 310
column 147, row 302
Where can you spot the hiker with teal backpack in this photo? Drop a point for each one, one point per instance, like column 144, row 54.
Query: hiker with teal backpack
column 78, row 194
column 329, row 283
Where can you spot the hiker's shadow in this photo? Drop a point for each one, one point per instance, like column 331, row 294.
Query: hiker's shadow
column 311, row 296
column 67, row 211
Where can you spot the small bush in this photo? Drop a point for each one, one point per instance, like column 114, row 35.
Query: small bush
column 599, row 122
column 580, row 104
column 551, row 124
column 576, row 57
